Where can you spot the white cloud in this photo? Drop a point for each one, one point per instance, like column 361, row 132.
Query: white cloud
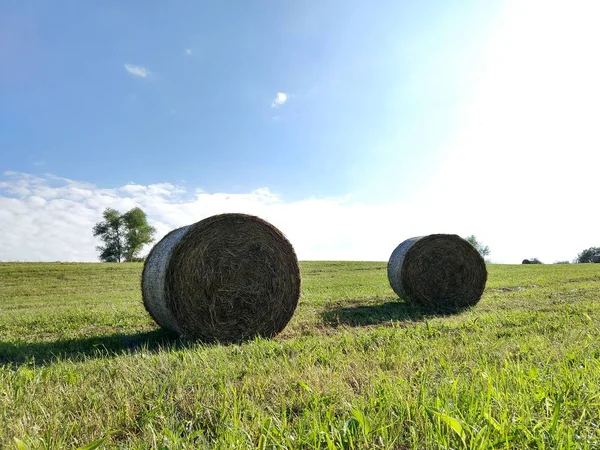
column 189, row 51
column 50, row 218
column 279, row 100
column 137, row 71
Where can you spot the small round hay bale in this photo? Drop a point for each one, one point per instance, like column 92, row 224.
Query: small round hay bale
column 226, row 278
column 525, row 261
column 441, row 272
column 596, row 258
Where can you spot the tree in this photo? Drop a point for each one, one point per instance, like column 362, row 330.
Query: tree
column 123, row 235
column 586, row 255
column 138, row 233
column 111, row 232
column 483, row 250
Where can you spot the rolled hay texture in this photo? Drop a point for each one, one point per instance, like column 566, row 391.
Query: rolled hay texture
column 441, row 272
column 226, row 278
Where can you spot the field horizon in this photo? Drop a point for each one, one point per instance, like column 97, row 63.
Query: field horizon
column 84, row 366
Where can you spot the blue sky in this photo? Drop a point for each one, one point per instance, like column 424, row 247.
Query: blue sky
column 389, row 119
column 371, row 91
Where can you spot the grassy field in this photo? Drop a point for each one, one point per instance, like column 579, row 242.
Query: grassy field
column 84, row 365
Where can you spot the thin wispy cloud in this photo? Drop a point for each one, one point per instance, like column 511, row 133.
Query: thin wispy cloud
column 137, row 71
column 279, row 100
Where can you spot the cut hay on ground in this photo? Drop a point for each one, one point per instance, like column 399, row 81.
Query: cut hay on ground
column 442, row 272
column 229, row 277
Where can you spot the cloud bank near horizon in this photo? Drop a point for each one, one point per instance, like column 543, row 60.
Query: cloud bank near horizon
column 49, row 218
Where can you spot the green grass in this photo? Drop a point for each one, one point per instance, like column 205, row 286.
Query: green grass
column 82, row 363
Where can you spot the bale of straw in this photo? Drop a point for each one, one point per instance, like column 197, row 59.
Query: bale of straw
column 441, row 272
column 226, row 278
column 596, row 258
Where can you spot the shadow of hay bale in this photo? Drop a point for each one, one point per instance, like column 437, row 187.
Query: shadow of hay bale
column 361, row 315
column 44, row 353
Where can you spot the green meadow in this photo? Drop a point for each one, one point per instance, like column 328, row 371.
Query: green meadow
column 82, row 365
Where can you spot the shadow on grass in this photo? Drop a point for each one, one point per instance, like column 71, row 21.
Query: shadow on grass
column 397, row 311
column 79, row 349
column 43, row 353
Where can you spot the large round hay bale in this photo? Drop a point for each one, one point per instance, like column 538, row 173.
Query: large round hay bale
column 442, row 272
column 226, row 278
column 525, row 261
column 596, row 258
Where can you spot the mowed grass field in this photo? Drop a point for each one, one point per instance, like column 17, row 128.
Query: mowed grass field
column 82, row 364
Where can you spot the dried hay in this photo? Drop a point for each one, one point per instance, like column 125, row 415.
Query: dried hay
column 441, row 272
column 226, row 278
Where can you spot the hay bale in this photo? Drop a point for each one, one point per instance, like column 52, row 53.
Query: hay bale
column 441, row 272
column 596, row 258
column 525, row 261
column 226, row 278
